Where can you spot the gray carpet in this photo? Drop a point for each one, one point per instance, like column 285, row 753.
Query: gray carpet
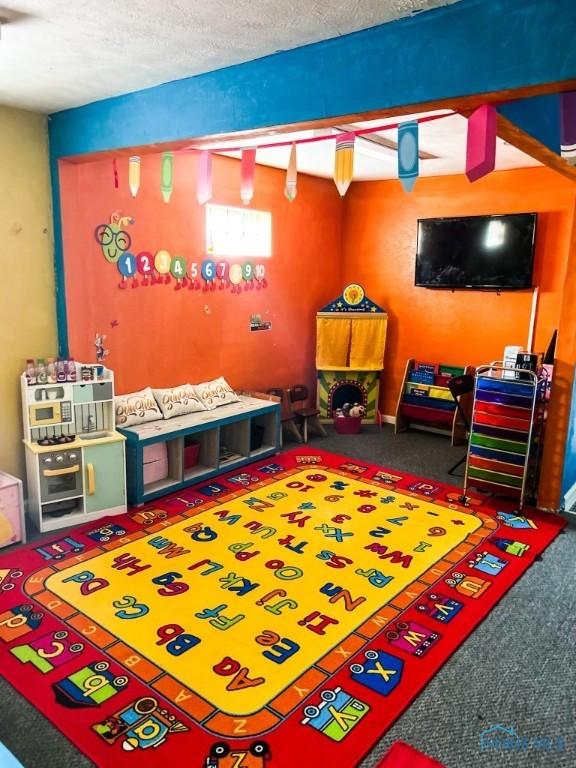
column 516, row 669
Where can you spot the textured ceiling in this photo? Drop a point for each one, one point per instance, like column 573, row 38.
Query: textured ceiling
column 56, row 54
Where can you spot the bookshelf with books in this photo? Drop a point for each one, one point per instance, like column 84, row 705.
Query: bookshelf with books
column 425, row 400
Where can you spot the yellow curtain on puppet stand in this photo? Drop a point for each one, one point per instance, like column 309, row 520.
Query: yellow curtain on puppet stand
column 350, row 343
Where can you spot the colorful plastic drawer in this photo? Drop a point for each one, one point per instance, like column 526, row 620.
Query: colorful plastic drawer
column 503, row 434
column 421, row 413
column 496, row 420
column 496, row 466
column 431, row 402
column 510, row 446
column 503, row 399
column 490, row 453
column 495, row 477
column 495, row 488
column 509, row 387
column 510, row 411
column 442, row 379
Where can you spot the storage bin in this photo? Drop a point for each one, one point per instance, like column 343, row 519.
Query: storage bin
column 155, row 462
column 347, row 425
column 191, row 451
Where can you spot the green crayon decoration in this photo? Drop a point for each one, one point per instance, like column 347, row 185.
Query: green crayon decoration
column 167, row 176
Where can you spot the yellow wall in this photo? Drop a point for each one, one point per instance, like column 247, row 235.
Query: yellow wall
column 27, row 312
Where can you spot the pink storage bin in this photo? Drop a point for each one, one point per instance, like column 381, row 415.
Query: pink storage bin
column 155, row 462
column 347, row 425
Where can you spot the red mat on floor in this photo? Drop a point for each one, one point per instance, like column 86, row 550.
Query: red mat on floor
column 401, row 755
column 280, row 616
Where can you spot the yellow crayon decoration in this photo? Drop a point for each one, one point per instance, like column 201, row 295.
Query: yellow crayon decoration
column 167, row 176
column 344, row 162
column 134, row 174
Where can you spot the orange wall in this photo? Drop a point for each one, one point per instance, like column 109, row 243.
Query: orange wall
column 467, row 327
column 161, row 337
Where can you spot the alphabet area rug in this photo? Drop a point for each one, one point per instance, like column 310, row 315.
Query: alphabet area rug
column 270, row 617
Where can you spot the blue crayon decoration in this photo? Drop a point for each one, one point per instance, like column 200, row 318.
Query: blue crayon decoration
column 408, row 160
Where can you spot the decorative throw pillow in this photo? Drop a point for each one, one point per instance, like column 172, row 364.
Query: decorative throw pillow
column 216, row 392
column 178, row 400
column 136, row 408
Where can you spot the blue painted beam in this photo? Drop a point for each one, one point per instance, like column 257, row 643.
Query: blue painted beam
column 474, row 46
column 539, row 116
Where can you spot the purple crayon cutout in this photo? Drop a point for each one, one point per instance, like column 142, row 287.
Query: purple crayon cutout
column 568, row 126
column 481, row 143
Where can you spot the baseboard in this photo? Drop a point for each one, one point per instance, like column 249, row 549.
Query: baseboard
column 570, row 500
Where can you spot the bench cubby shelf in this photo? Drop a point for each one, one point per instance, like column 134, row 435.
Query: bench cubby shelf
column 227, row 437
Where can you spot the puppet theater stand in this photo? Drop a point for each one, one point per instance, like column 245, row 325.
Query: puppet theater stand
column 350, row 341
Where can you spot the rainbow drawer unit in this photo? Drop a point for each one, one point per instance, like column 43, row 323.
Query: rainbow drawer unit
column 503, row 449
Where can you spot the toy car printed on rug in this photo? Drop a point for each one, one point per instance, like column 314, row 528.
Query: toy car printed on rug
column 262, row 619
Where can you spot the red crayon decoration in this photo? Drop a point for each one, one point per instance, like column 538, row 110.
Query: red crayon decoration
column 204, row 183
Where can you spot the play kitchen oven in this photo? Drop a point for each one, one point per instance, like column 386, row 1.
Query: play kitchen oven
column 60, row 475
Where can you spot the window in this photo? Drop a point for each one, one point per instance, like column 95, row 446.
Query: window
column 238, row 232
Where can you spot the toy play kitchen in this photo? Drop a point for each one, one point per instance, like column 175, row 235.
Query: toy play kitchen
column 74, row 456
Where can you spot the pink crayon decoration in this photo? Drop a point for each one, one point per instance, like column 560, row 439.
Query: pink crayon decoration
column 481, row 143
column 247, row 168
column 204, row 183
column 290, row 188
column 115, row 172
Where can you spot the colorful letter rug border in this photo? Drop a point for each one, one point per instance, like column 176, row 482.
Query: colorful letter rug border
column 273, row 617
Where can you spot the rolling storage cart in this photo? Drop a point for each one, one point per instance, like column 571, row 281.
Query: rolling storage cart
column 507, row 430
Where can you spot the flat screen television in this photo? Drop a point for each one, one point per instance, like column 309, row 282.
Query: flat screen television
column 488, row 252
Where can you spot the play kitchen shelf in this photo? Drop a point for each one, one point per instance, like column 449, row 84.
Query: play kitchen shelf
column 426, row 401
column 169, row 454
column 74, row 455
column 506, row 432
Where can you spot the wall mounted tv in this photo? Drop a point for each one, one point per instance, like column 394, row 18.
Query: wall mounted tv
column 484, row 252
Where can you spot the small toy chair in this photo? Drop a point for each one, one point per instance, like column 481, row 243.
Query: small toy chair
column 303, row 414
column 286, row 417
column 460, row 386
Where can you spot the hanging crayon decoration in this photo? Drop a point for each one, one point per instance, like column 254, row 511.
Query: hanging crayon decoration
column 290, row 188
column 113, row 238
column 204, row 182
column 344, row 162
column 481, row 142
column 167, row 176
column 568, row 126
column 134, row 174
column 408, row 154
column 247, row 168
column 115, row 173
column 222, row 271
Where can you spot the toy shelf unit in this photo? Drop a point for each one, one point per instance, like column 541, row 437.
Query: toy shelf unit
column 166, row 455
column 74, row 456
column 425, row 400
column 507, row 431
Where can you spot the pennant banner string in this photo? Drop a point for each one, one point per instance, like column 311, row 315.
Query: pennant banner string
column 309, row 140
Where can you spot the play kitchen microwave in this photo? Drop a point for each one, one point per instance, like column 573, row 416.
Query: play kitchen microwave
column 47, row 413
